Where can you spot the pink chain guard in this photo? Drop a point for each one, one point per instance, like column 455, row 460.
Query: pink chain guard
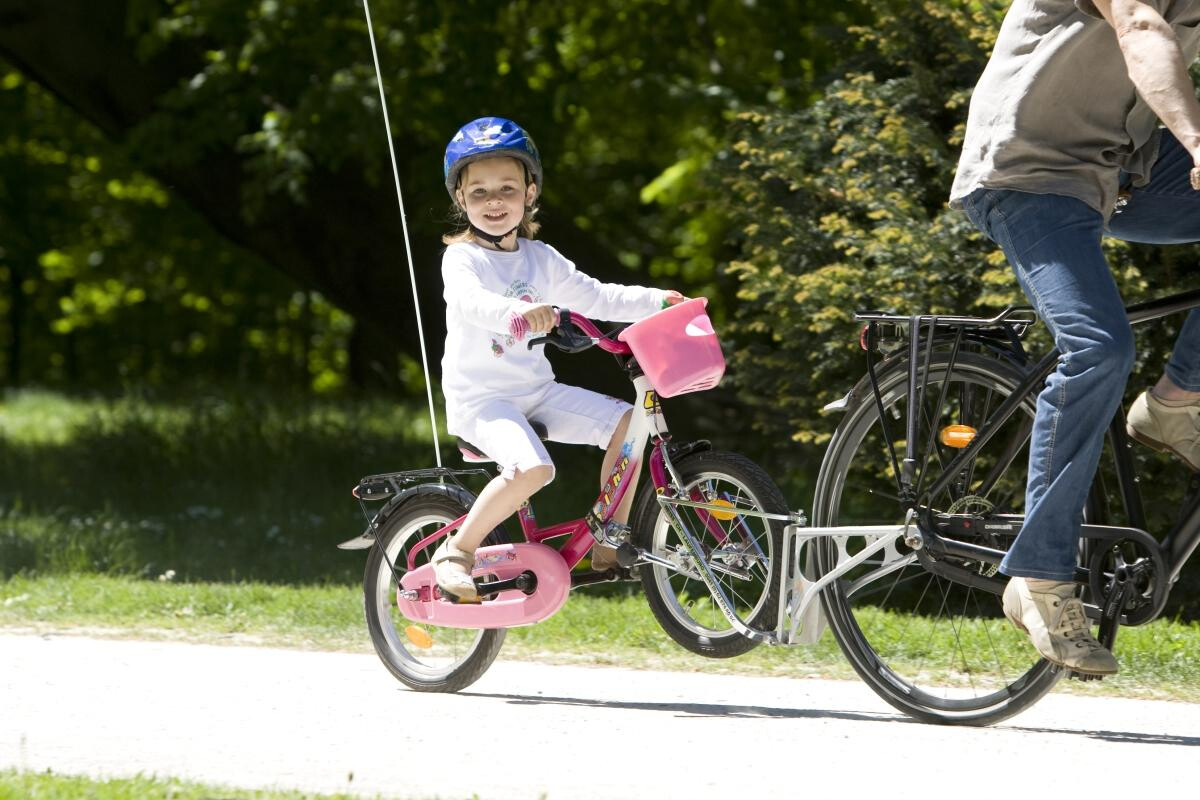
column 509, row 609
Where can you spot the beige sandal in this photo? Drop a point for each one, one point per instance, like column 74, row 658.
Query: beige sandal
column 452, row 568
column 603, row 558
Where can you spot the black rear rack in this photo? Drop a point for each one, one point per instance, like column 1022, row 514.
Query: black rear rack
column 1022, row 316
column 389, row 484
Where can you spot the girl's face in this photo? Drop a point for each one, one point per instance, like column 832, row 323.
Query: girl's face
column 494, row 194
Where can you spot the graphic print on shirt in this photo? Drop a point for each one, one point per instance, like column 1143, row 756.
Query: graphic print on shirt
column 522, row 290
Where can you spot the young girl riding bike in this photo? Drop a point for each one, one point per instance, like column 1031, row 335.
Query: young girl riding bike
column 501, row 284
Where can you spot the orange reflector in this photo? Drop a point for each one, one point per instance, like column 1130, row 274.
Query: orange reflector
column 419, row 637
column 724, row 516
column 957, row 435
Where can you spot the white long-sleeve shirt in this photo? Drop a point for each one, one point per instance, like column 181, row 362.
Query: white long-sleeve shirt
column 484, row 288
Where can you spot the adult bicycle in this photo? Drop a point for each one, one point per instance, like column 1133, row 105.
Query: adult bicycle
column 934, row 439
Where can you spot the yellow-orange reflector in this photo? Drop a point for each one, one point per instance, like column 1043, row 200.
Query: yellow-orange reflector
column 418, row 637
column 957, row 435
column 724, row 516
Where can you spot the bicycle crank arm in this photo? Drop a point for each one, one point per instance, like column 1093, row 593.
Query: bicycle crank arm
column 630, row 556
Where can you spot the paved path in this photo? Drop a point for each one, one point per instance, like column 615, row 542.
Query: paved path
column 338, row 722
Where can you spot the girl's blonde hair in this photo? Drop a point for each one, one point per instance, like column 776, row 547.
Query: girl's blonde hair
column 528, row 227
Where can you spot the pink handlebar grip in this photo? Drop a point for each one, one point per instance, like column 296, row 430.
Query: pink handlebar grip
column 517, row 326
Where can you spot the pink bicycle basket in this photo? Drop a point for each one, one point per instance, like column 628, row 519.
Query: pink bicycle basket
column 677, row 349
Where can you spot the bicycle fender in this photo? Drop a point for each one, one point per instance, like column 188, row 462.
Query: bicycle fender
column 862, row 389
column 367, row 538
column 684, row 450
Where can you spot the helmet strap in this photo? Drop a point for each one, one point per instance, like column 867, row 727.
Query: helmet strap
column 491, row 237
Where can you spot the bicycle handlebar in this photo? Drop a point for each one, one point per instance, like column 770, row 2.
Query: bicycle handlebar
column 584, row 335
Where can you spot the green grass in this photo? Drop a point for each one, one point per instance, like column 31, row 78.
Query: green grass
column 1160, row 660
column 213, row 487
column 16, row 785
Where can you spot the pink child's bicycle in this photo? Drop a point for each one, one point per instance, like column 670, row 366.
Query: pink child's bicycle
column 705, row 537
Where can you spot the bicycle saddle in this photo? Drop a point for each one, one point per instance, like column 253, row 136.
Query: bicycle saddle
column 474, row 455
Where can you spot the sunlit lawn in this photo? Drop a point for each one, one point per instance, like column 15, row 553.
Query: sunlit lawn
column 16, row 785
column 1158, row 660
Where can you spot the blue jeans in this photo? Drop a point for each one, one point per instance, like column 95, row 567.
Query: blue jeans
column 1053, row 245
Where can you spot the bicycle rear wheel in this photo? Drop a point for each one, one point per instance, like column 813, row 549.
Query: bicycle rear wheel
column 424, row 657
column 935, row 648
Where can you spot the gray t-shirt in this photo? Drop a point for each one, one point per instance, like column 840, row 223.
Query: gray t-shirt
column 1055, row 111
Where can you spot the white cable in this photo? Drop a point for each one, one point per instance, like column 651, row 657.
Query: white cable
column 412, row 273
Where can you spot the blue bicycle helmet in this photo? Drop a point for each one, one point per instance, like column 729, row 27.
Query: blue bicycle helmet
column 488, row 137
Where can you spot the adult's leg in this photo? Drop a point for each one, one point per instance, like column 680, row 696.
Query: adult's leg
column 1166, row 210
column 1053, row 246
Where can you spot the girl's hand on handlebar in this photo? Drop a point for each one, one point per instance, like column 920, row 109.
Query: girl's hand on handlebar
column 672, row 297
column 541, row 319
column 519, row 325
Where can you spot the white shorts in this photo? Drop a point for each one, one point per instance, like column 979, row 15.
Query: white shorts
column 501, row 429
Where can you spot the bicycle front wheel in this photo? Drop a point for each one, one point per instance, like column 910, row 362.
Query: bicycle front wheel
column 935, row 648
column 740, row 549
column 423, row 657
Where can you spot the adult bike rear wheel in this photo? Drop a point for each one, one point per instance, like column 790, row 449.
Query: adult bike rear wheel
column 742, row 551
column 937, row 649
column 424, row 657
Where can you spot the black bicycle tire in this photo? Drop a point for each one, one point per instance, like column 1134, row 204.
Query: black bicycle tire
column 489, row 643
column 1020, row 693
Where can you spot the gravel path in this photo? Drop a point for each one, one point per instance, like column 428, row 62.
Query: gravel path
column 328, row 722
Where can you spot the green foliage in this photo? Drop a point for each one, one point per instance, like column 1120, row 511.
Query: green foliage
column 841, row 206
column 627, row 99
column 105, row 279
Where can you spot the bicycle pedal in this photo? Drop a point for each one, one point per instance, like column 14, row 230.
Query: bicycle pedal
column 627, row 555
column 1082, row 676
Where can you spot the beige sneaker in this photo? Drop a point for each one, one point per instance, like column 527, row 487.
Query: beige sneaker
column 1054, row 618
column 452, row 568
column 1170, row 425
